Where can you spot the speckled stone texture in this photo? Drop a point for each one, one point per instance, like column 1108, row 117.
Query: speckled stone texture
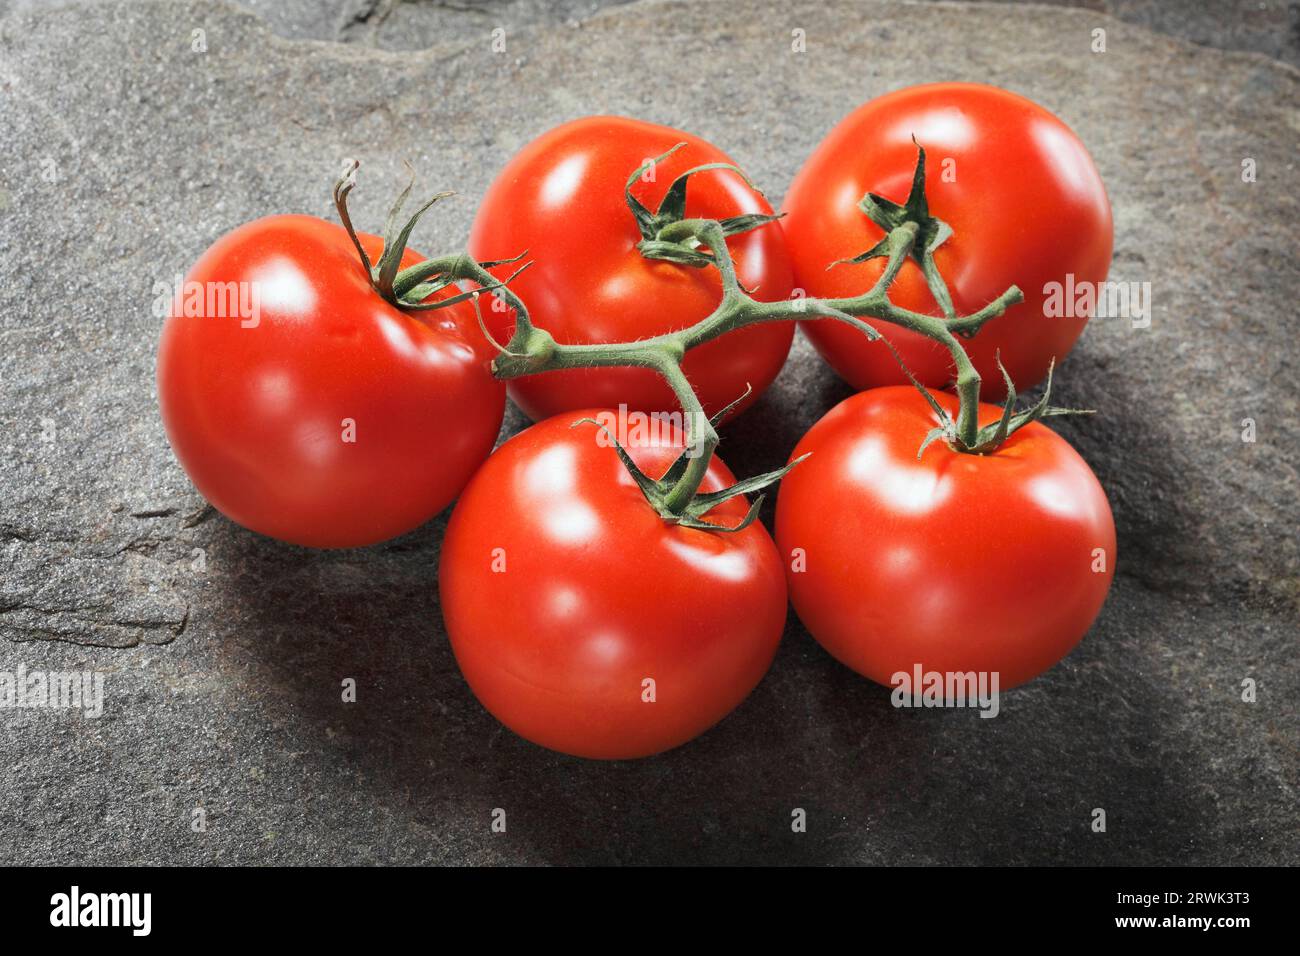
column 124, row 154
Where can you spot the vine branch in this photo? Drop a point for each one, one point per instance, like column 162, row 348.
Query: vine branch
column 910, row 232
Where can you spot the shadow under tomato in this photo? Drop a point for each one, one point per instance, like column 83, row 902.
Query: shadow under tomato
column 878, row 785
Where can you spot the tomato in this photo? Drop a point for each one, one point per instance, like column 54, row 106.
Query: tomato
column 325, row 416
column 563, row 593
column 561, row 199
column 956, row 562
column 1021, row 193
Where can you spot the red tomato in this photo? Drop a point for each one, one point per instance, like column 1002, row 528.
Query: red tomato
column 332, row 418
column 563, row 592
column 1021, row 193
column 562, row 199
column 955, row 562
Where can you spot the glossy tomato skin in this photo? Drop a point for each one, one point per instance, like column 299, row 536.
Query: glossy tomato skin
column 562, row 592
column 561, row 198
column 257, row 409
column 954, row 562
column 1021, row 193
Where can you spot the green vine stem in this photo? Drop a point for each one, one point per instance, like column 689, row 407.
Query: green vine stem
column 532, row 351
column 910, row 233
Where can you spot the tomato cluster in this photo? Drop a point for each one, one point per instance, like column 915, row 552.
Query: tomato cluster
column 590, row 608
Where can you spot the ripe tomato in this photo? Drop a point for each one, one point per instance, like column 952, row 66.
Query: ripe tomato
column 563, row 593
column 1021, row 193
column 562, row 199
column 331, row 418
column 955, row 562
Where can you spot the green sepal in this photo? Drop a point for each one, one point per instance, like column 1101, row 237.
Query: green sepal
column 889, row 215
column 404, row 288
column 997, row 434
column 410, row 277
column 690, row 521
column 943, row 431
column 879, row 251
column 718, row 418
column 1042, row 409
column 645, row 219
column 672, row 209
column 675, row 252
column 342, row 189
column 704, row 502
column 947, row 425
column 395, row 245
column 736, row 225
column 931, row 232
column 643, row 481
column 693, row 515
column 678, row 467
column 493, row 263
column 416, row 304
column 991, row 437
column 413, row 298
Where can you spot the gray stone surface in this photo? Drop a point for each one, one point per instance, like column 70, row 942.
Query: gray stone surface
column 124, row 154
column 1263, row 26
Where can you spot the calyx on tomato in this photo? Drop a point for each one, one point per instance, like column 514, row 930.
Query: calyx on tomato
column 659, row 491
column 930, row 234
column 991, row 436
column 410, row 288
column 672, row 209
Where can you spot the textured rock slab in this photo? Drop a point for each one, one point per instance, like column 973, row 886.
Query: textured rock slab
column 224, row 652
column 1271, row 27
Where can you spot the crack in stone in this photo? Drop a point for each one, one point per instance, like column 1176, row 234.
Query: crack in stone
column 198, row 517
column 140, row 546
column 132, row 632
column 154, row 513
